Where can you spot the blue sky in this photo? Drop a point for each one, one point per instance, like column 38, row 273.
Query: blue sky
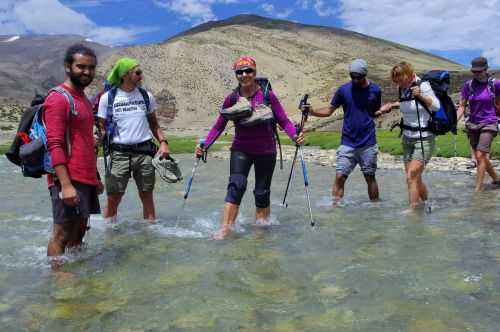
column 457, row 29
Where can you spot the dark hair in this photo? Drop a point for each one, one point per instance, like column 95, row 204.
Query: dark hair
column 78, row 49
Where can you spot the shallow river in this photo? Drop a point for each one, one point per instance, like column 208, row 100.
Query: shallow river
column 364, row 267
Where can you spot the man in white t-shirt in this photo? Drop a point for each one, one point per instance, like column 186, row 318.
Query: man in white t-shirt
column 128, row 119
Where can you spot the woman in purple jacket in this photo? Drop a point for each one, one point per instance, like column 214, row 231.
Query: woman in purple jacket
column 252, row 145
column 482, row 96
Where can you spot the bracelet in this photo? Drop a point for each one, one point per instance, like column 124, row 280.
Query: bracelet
column 164, row 140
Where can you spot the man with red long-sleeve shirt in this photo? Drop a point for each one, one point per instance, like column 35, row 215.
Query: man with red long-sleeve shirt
column 75, row 185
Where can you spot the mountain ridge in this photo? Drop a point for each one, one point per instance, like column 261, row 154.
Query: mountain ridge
column 190, row 73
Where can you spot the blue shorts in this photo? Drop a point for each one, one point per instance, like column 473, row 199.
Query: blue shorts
column 348, row 157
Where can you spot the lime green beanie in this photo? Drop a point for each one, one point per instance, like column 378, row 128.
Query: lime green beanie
column 121, row 67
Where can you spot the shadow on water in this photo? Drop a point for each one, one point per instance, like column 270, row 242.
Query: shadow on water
column 365, row 267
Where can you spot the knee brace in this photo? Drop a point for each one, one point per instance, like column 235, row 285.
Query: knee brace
column 236, row 188
column 262, row 198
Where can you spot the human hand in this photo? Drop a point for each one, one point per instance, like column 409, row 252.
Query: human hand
column 69, row 195
column 300, row 138
column 386, row 108
column 199, row 151
column 163, row 150
column 415, row 90
column 100, row 187
column 305, row 108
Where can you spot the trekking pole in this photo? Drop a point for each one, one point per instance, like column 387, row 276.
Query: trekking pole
column 193, row 171
column 306, row 184
column 302, row 102
column 428, row 208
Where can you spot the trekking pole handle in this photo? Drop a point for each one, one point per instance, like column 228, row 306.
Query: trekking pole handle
column 203, row 157
column 303, row 102
column 303, row 120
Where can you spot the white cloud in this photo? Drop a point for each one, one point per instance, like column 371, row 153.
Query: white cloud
column 267, row 7
column 439, row 24
column 88, row 3
column 321, row 7
column 284, row 14
column 194, row 11
column 52, row 17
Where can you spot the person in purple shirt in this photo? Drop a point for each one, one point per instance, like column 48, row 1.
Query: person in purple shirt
column 360, row 99
column 252, row 145
column 482, row 96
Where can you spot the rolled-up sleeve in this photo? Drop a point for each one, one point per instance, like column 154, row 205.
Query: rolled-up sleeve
column 55, row 116
column 426, row 90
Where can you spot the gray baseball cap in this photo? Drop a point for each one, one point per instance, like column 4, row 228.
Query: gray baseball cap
column 358, row 66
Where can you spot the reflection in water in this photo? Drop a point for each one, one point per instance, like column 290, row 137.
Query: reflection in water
column 364, row 267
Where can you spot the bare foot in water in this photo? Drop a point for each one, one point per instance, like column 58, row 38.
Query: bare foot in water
column 263, row 222
column 223, row 232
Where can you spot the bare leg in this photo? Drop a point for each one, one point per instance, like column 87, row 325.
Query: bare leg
column 372, row 187
column 78, row 231
column 59, row 240
column 229, row 219
column 114, row 200
column 483, row 164
column 416, row 188
column 148, row 205
column 338, row 187
column 491, row 171
column 262, row 215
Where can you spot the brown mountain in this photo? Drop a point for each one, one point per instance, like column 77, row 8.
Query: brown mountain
column 191, row 73
column 193, row 69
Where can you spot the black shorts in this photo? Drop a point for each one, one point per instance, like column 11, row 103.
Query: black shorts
column 89, row 203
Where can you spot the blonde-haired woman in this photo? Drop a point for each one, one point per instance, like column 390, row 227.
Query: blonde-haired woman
column 416, row 102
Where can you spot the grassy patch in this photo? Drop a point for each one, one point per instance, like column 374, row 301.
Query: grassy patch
column 175, row 144
column 388, row 142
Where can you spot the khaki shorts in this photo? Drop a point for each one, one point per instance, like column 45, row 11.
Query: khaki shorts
column 481, row 135
column 412, row 148
column 125, row 164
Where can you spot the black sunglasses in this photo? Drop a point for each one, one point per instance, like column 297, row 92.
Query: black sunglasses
column 246, row 71
column 138, row 72
column 477, row 71
column 357, row 77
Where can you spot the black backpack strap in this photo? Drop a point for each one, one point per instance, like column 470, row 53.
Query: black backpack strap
column 266, row 88
column 145, row 96
column 273, row 123
column 234, row 96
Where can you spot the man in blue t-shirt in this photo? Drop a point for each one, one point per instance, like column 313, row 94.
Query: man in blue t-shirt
column 360, row 99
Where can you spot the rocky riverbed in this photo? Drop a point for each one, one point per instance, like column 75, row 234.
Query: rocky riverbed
column 385, row 160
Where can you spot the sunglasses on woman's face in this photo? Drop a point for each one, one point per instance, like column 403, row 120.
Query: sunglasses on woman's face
column 246, row 71
column 138, row 72
column 477, row 71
